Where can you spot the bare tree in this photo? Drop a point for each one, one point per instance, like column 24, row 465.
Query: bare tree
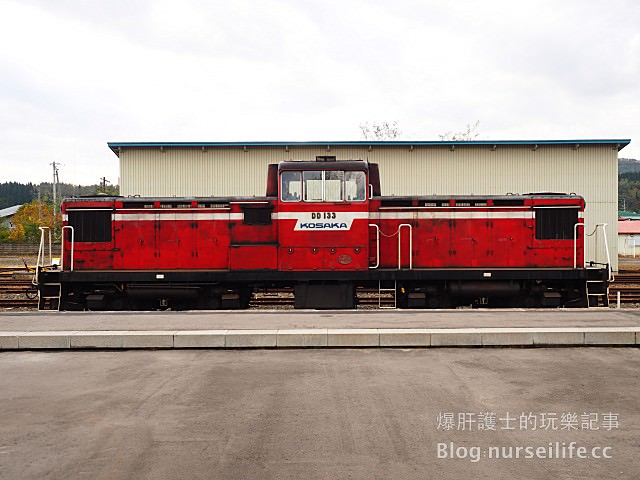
column 469, row 133
column 380, row 130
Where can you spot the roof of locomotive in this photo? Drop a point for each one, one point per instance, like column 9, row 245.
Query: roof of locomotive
column 403, row 200
column 108, row 199
column 477, row 198
column 324, row 165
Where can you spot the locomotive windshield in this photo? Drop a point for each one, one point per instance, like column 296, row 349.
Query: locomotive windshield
column 313, row 186
column 354, row 183
column 291, row 186
column 323, row 186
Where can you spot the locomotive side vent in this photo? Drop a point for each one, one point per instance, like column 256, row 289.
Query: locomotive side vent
column 507, row 203
column 469, row 202
column 174, row 205
column 137, row 205
column 555, row 223
column 257, row 215
column 397, row 202
column 90, row 225
column 213, row 205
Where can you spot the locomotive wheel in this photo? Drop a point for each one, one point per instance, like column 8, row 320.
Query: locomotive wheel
column 208, row 301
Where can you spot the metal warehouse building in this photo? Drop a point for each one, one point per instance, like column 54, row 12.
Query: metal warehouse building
column 586, row 167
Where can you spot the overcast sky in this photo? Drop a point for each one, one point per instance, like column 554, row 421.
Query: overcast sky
column 75, row 74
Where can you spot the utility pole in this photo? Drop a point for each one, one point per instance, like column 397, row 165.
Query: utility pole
column 39, row 203
column 103, row 184
column 55, row 184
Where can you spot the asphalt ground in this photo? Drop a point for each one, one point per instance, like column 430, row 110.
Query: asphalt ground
column 214, row 320
column 313, row 414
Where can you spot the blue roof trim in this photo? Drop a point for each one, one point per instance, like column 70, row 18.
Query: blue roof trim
column 621, row 143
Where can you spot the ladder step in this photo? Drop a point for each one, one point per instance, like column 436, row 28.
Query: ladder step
column 387, row 294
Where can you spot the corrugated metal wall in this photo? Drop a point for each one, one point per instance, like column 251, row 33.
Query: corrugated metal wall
column 590, row 170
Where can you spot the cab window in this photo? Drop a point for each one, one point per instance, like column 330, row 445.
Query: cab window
column 354, row 186
column 323, row 186
column 333, row 183
column 291, row 186
column 313, row 186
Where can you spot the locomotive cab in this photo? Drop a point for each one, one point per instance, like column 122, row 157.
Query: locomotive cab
column 323, row 218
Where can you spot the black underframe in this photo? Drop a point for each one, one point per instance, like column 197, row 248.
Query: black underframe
column 291, row 277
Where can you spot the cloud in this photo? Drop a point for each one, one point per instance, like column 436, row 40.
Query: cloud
column 76, row 74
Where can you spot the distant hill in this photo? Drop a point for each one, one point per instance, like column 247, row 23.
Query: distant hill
column 629, row 184
column 628, row 165
column 13, row 193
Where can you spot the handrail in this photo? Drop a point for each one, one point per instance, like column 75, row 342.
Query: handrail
column 377, row 245
column 606, row 249
column 50, row 250
column 400, row 245
column 603, row 226
column 62, row 247
column 41, row 253
column 575, row 244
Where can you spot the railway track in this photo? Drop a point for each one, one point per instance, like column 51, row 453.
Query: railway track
column 15, row 286
column 284, row 298
column 18, row 303
column 16, row 289
column 628, row 284
column 15, row 269
column 628, row 277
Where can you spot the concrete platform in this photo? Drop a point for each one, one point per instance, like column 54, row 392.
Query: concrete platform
column 314, row 319
column 323, row 338
column 318, row 329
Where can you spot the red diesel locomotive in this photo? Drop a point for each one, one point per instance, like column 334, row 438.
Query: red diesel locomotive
column 324, row 229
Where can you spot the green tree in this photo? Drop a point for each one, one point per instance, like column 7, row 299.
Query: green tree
column 4, row 233
column 629, row 191
column 13, row 193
